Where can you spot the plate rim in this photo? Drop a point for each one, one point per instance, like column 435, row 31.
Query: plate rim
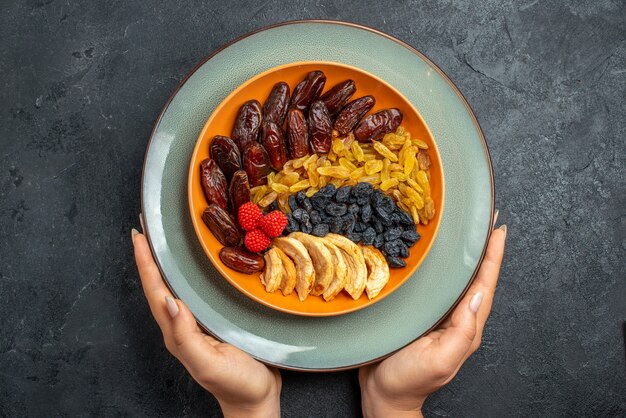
column 412, row 49
column 220, row 268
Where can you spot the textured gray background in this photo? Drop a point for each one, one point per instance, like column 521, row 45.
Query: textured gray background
column 81, row 86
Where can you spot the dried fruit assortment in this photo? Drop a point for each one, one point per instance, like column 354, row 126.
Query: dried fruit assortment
column 315, row 193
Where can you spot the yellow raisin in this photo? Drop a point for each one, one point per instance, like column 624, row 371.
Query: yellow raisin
column 385, row 174
column 347, row 164
column 373, row 166
column 422, row 180
column 290, row 179
column 414, row 214
column 386, row 185
column 338, row 147
column 399, row 175
column 301, row 185
column 337, row 172
column 268, row 199
column 420, row 144
column 357, row 151
column 375, row 179
column 357, row 174
column 283, row 202
column 280, row 188
column 311, row 191
column 385, row 152
column 414, row 185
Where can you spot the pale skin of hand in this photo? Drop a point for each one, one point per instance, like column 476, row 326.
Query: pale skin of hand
column 399, row 385
column 243, row 386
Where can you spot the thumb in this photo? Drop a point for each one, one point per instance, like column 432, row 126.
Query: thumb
column 457, row 339
column 192, row 344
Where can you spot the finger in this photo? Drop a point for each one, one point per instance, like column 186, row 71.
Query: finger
column 456, row 340
column 487, row 277
column 153, row 286
column 196, row 349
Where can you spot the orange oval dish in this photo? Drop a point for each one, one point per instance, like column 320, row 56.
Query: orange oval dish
column 259, row 87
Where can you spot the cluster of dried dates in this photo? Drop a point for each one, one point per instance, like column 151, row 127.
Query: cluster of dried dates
column 259, row 144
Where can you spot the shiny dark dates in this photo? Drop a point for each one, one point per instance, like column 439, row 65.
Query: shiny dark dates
column 297, row 134
column 242, row 260
column 307, row 90
column 238, row 191
column 275, row 107
column 378, row 124
column 320, row 128
column 338, row 96
column 256, row 162
column 273, row 140
column 247, row 124
column 221, row 225
column 226, row 154
column 214, row 183
column 352, row 114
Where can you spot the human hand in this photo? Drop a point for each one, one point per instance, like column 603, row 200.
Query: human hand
column 242, row 385
column 398, row 385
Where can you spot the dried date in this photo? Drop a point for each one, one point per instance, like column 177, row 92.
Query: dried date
column 378, row 124
column 256, row 162
column 338, row 96
column 242, row 260
column 275, row 107
column 247, row 124
column 273, row 140
column 297, row 134
column 225, row 153
column 352, row 113
column 320, row 128
column 307, row 90
column 239, row 191
column 214, row 183
column 221, row 225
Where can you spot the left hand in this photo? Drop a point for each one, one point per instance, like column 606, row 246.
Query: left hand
column 242, row 385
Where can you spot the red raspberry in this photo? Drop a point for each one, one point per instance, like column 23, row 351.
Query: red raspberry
column 273, row 223
column 249, row 215
column 256, row 240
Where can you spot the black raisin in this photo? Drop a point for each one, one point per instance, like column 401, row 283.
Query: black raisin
column 272, row 206
column 351, row 199
column 320, row 230
column 348, row 223
column 362, row 200
column 300, row 196
column 393, row 234
column 306, row 204
column 383, row 216
column 378, row 227
column 335, row 224
column 293, row 204
column 354, row 236
column 369, row 235
column 324, row 216
column 297, row 214
column 404, row 249
column 379, row 241
column 306, row 227
column 390, row 248
column 362, row 190
column 319, row 201
column 354, row 209
column 343, row 193
column 336, row 209
column 405, row 218
column 366, row 213
column 292, row 225
column 410, row 236
column 360, row 227
column 315, row 217
column 388, row 204
column 328, row 190
column 395, row 262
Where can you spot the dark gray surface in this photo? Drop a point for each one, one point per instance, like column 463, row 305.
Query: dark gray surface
column 82, row 84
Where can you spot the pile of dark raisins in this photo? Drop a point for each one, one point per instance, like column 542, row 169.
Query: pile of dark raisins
column 360, row 213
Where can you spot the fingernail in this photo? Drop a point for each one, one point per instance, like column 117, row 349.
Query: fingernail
column 133, row 232
column 495, row 217
column 503, row 227
column 172, row 307
column 475, row 302
column 143, row 228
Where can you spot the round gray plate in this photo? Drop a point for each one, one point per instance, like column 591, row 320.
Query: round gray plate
column 328, row 343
